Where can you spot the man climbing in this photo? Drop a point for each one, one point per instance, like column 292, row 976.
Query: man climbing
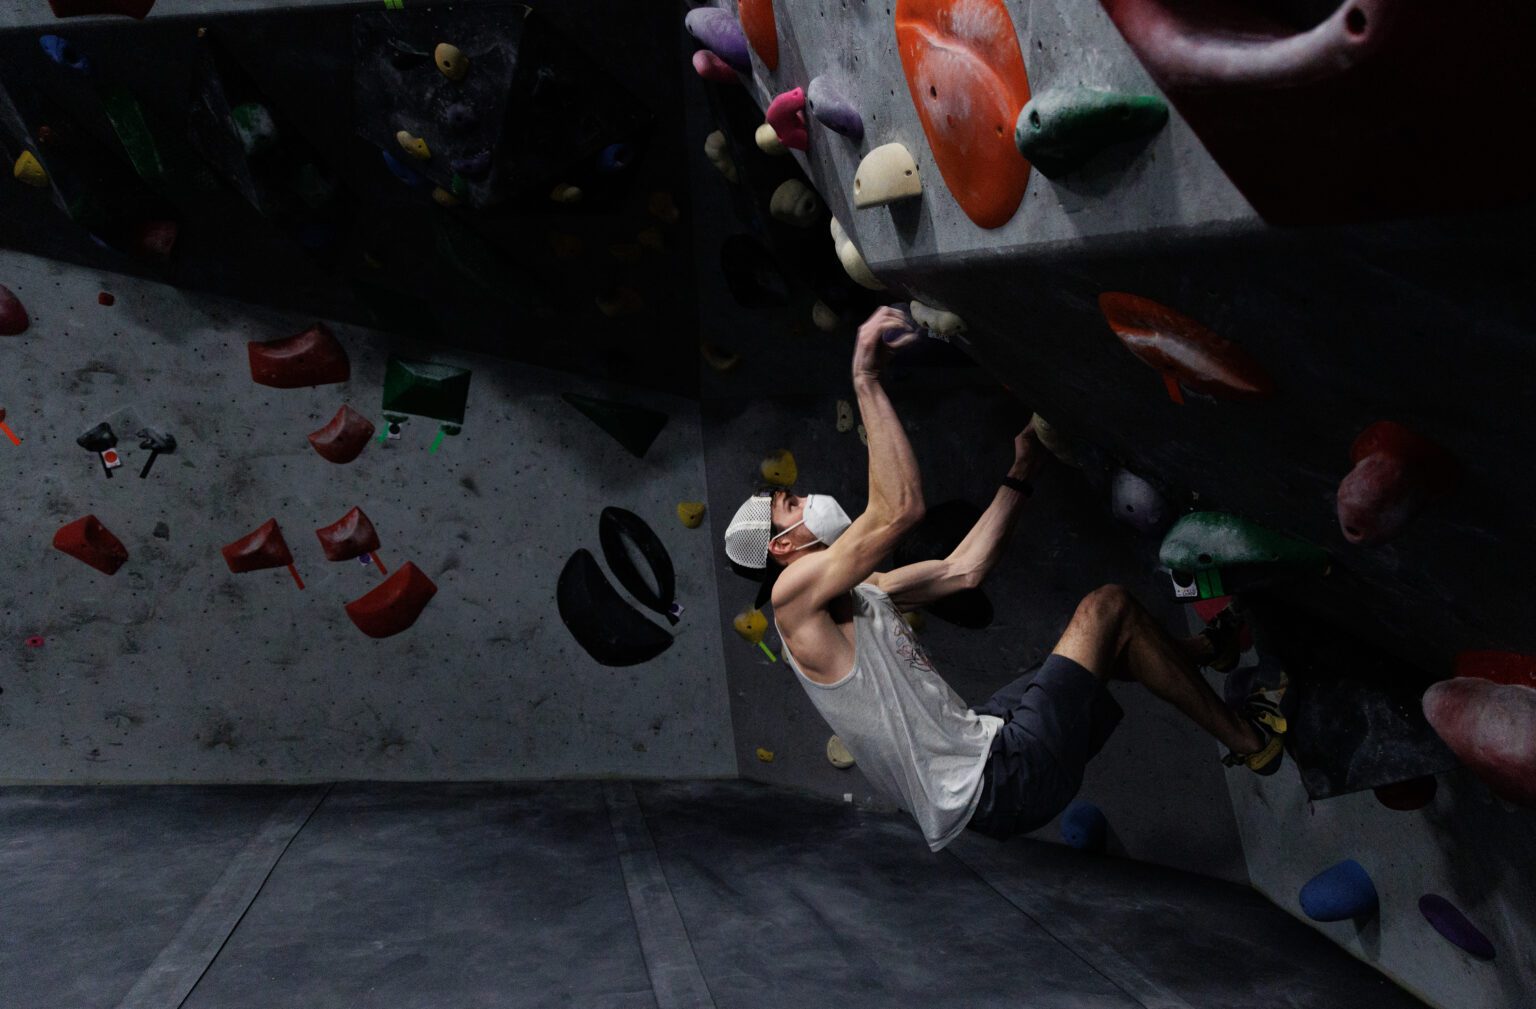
column 1012, row 764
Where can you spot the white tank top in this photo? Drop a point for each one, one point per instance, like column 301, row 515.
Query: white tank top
column 912, row 736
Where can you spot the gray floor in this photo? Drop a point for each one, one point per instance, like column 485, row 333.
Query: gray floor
column 606, row 894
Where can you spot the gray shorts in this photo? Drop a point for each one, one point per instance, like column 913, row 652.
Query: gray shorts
column 1054, row 722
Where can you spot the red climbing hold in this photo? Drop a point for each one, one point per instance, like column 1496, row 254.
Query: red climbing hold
column 313, row 357
column 758, row 22
column 86, row 539
column 1491, row 727
column 395, row 604
column 157, row 238
column 76, row 8
column 712, row 68
column 967, row 79
column 344, row 437
column 1184, row 351
column 13, row 317
column 262, row 548
column 348, row 537
column 786, row 114
column 106, row 298
column 1397, row 472
column 1498, row 667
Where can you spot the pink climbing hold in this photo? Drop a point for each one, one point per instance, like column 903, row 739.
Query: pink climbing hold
column 712, row 68
column 13, row 317
column 786, row 114
column 1396, row 473
column 1491, row 727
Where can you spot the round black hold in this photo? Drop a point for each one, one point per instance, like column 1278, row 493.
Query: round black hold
column 610, row 630
column 614, row 526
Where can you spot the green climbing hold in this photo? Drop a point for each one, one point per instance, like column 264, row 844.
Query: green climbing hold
column 634, row 427
column 1060, row 130
column 426, row 389
column 127, row 118
column 255, row 128
column 1210, row 543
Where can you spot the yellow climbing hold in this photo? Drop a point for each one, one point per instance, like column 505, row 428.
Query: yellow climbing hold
column 451, row 61
column 718, row 359
column 751, row 625
column 824, row 317
column 838, row 754
column 444, row 198
column 766, row 756
column 690, row 513
column 30, row 171
column 414, row 146
column 564, row 192
column 779, row 468
column 844, row 416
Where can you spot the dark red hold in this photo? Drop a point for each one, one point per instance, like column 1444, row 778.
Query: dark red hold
column 106, row 298
column 76, row 8
column 262, row 548
column 1498, row 667
column 313, row 357
column 13, row 317
column 395, row 604
column 349, row 537
column 344, row 437
column 1407, row 795
column 1397, row 472
column 86, row 539
column 157, row 238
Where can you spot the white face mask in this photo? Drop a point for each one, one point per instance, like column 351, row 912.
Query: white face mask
column 824, row 517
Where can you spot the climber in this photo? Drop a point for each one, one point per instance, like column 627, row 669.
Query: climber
column 1009, row 765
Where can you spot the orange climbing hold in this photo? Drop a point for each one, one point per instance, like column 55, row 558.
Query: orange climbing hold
column 966, row 75
column 1183, row 350
column 758, row 22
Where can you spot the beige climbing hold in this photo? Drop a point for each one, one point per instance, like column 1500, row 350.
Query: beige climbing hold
column 718, row 151
column 716, row 358
column 779, row 468
column 852, row 259
column 1056, row 443
column 30, row 171
column 844, row 416
column 863, row 434
column 823, row 316
column 662, row 207
column 564, row 192
column 652, row 239
column 414, row 146
column 444, row 198
column 887, row 174
column 751, row 625
column 690, row 513
column 766, row 756
column 838, row 754
column 945, row 325
column 769, row 141
column 451, row 61
column 795, row 203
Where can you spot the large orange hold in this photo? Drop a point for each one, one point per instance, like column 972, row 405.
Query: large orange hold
column 1184, row 351
column 966, row 74
column 762, row 30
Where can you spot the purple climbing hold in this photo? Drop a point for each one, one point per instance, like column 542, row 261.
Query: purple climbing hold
column 460, row 116
column 1137, row 503
column 832, row 110
column 1448, row 920
column 1340, row 892
column 474, row 166
column 719, row 32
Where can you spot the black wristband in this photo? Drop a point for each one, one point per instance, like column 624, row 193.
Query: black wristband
column 1022, row 486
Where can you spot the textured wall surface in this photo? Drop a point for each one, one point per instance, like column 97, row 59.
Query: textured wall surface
column 175, row 669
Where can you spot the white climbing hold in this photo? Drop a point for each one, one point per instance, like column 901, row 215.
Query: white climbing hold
column 717, row 150
column 769, row 141
column 853, row 261
column 838, row 754
column 795, row 203
column 823, row 316
column 945, row 325
column 887, row 174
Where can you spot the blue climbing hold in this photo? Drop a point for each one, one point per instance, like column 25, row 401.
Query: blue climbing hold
column 615, row 158
column 1084, row 827
column 401, row 171
column 1448, row 920
column 1340, row 892
column 831, row 109
column 62, row 52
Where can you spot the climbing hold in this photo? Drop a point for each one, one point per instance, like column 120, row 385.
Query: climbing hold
column 824, row 318
column 863, row 434
column 1447, row 919
column 254, row 126
column 766, row 756
column 1209, row 544
column 617, row 531
column 719, row 32
column 634, row 427
column 475, row 166
column 444, row 198
column 1396, row 473
column 712, row 68
column 758, row 24
column 451, row 61
column 838, row 754
column 652, row 238
column 716, row 358
column 1407, row 796
column 793, row 202
column 690, row 513
column 661, row 206
column 751, row 273
column 86, row 539
column 460, row 117
column 29, row 170
column 415, row 146
column 1339, row 892
column 156, row 238
column 76, row 8
column 313, row 357
column 106, row 298
column 1137, row 502
column 786, row 114
column 939, row 323
column 403, row 172
column 844, row 416
column 349, row 537
column 967, row 80
column 886, row 174
column 564, row 192
column 853, row 261
column 1062, row 129
column 779, row 469
column 344, row 437
column 717, row 150
column 62, row 52
column 606, row 626
column 751, row 625
column 1183, row 350
column 426, row 389
column 1084, row 827
column 615, row 158
column 13, row 316
column 620, row 301
column 394, row 604
column 126, row 115
column 1491, row 727
column 158, row 443
column 262, row 548
column 1498, row 667
column 825, row 101
column 768, row 141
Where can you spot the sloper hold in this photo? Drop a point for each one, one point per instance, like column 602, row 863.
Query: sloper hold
column 719, row 32
column 1340, row 892
column 1084, row 827
column 394, row 604
column 77, row 8
column 1498, row 667
column 344, row 437
column 826, row 103
column 261, row 548
column 13, row 315
column 761, row 29
column 1184, row 351
column 967, row 79
column 1447, row 919
column 1062, row 129
column 786, row 114
column 86, row 539
column 426, row 389
column 1136, row 502
column 1201, row 541
column 313, row 357
column 1396, row 473
column 793, row 202
column 609, row 629
column 614, row 526
column 1491, row 727
column 712, row 68
column 349, row 537
column 852, row 259
column 634, row 427
column 887, row 174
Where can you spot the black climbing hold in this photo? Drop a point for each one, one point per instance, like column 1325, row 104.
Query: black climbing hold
column 614, row 526
column 610, row 630
column 634, row 427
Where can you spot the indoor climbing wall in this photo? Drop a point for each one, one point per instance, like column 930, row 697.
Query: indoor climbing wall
column 1287, row 356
